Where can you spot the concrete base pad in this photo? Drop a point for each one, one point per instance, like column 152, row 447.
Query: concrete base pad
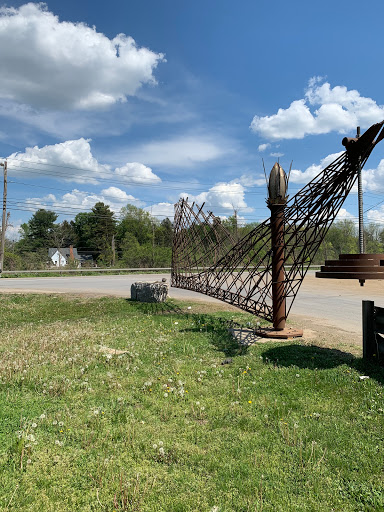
column 288, row 332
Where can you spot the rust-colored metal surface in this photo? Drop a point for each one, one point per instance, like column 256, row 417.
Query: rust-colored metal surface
column 207, row 259
column 354, row 266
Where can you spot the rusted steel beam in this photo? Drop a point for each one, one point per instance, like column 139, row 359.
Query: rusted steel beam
column 207, row 259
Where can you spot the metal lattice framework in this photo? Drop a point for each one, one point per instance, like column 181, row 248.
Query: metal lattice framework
column 207, row 259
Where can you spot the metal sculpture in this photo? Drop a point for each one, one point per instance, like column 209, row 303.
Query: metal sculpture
column 207, row 259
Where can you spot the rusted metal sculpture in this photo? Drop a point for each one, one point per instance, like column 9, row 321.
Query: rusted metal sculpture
column 208, row 260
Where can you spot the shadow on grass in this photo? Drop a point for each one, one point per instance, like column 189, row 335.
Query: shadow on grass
column 157, row 308
column 219, row 335
column 313, row 357
column 217, row 328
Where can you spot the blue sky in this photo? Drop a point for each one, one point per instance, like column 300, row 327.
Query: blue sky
column 144, row 101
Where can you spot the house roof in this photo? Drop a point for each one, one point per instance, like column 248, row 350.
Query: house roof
column 66, row 252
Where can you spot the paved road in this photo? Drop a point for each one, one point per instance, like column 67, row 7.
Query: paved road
column 332, row 302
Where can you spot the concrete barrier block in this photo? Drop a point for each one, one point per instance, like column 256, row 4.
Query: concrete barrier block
column 149, row 292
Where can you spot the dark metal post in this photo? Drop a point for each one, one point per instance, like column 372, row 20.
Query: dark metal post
column 369, row 340
column 277, row 200
column 360, row 199
column 278, row 274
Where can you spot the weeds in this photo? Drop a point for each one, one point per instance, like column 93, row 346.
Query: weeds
column 108, row 404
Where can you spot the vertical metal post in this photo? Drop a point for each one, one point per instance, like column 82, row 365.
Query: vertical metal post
column 360, row 199
column 369, row 340
column 4, row 219
column 278, row 273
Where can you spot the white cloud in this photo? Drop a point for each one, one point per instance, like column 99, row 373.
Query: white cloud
column 333, row 109
column 64, row 65
column 161, row 210
column 184, row 151
column 249, row 180
column 373, row 179
column 13, row 228
column 82, row 201
column 135, row 172
column 263, row 147
column 277, row 155
column 345, row 215
column 376, row 216
column 227, row 196
column 73, row 161
column 313, row 170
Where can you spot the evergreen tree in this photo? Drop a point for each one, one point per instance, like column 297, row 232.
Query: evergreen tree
column 38, row 232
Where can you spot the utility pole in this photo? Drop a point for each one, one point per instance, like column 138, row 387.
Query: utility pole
column 360, row 199
column 236, row 227
column 113, row 251
column 4, row 219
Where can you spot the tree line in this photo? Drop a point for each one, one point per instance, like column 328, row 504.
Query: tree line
column 137, row 239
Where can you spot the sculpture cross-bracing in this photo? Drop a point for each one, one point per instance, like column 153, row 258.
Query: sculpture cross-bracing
column 207, row 259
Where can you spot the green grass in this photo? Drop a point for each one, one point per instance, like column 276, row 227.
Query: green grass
column 83, row 272
column 164, row 426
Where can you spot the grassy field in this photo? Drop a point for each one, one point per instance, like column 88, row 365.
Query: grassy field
column 111, row 405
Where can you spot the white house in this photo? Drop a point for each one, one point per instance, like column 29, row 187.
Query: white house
column 61, row 256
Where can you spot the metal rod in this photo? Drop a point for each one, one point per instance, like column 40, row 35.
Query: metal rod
column 360, row 200
column 278, row 274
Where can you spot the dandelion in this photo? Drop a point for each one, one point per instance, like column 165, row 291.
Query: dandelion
column 166, row 394
column 297, row 374
column 58, row 443
column 61, row 423
column 249, row 401
column 34, row 425
column 54, row 422
column 42, row 416
column 161, row 451
column 161, row 443
column 29, row 461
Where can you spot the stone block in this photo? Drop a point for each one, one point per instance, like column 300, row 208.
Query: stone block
column 149, row 292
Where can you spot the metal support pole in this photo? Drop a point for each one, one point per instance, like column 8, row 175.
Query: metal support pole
column 360, row 199
column 4, row 219
column 369, row 340
column 278, row 273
